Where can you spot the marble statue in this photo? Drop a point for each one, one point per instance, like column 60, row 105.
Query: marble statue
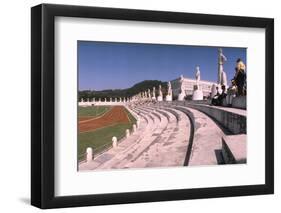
column 221, row 60
column 181, row 95
column 197, row 75
column 223, row 79
column 148, row 93
column 169, row 88
column 153, row 94
column 197, row 91
column 169, row 96
column 160, row 95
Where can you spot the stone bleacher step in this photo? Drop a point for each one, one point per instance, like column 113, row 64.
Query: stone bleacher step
column 234, row 149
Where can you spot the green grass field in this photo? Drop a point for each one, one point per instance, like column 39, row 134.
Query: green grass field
column 92, row 111
column 101, row 139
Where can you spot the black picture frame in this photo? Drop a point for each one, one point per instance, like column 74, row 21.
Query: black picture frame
column 43, row 102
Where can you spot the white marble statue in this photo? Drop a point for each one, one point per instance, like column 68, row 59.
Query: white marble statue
column 148, row 93
column 160, row 90
column 169, row 92
column 160, row 95
column 197, row 91
column 221, row 60
column 197, row 75
column 224, row 79
column 153, row 94
column 169, row 88
column 181, row 95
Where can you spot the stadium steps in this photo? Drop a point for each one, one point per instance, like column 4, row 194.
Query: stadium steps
column 121, row 159
column 206, row 139
column 169, row 148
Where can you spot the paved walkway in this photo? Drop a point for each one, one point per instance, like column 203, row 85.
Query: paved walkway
column 207, row 138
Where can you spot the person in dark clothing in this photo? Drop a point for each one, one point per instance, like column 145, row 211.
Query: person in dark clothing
column 218, row 98
column 240, row 77
column 215, row 98
column 222, row 95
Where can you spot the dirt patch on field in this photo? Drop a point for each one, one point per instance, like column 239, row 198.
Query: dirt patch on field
column 115, row 115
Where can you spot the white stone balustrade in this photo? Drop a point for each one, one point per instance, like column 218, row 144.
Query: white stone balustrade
column 114, row 142
column 89, row 153
column 127, row 133
column 134, row 127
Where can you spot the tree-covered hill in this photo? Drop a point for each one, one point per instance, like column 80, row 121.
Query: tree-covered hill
column 129, row 92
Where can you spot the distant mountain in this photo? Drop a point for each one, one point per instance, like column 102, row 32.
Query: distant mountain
column 129, row 92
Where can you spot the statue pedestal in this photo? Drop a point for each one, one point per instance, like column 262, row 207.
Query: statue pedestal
column 169, row 98
column 197, row 95
column 153, row 98
column 181, row 96
column 159, row 98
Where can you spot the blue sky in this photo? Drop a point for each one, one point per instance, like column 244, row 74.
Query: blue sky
column 112, row 65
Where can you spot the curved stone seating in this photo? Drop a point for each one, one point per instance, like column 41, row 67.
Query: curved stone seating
column 176, row 113
column 206, row 139
column 152, row 111
column 124, row 158
column 161, row 123
column 169, row 148
column 160, row 112
column 144, row 113
column 167, row 115
column 135, row 115
column 140, row 114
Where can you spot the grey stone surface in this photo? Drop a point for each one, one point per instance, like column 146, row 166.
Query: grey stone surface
column 240, row 102
column 234, row 120
column 207, row 138
column 234, row 148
